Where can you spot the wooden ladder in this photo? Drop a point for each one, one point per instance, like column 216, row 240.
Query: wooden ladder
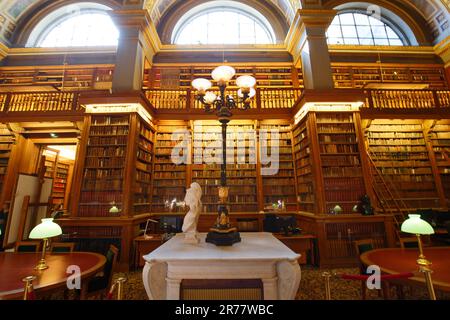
column 388, row 195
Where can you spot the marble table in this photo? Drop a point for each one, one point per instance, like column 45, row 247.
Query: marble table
column 259, row 256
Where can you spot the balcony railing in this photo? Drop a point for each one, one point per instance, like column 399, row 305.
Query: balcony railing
column 185, row 99
column 266, row 99
column 39, row 102
column 408, row 99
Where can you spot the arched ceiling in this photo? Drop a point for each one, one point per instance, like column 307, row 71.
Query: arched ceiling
column 434, row 12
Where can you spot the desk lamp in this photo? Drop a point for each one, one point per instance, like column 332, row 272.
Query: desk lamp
column 417, row 226
column 45, row 230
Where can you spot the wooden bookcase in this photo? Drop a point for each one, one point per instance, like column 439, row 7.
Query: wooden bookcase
column 165, row 77
column 340, row 161
column 64, row 78
column 281, row 186
column 170, row 180
column 241, row 170
column 399, row 150
column 7, row 140
column 440, row 138
column 359, row 75
column 303, row 166
column 117, row 166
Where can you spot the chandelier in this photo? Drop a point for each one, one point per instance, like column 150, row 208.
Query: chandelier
column 223, row 233
column 223, row 104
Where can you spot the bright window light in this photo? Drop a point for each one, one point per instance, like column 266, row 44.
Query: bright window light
column 82, row 30
column 361, row 29
column 224, row 26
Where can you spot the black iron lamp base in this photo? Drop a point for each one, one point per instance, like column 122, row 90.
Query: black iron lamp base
column 223, row 239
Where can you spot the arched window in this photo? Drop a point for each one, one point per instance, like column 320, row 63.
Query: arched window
column 355, row 28
column 81, row 25
column 223, row 22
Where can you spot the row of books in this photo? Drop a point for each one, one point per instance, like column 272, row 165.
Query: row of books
column 105, row 152
column 341, row 160
column 396, row 128
column 145, row 145
column 342, row 171
column 282, row 180
column 109, row 131
column 101, row 197
column 102, row 174
column 100, row 120
column 405, row 170
column 393, row 142
column 170, row 175
column 395, row 135
column 326, row 128
column 338, row 148
column 5, row 146
column 144, row 156
column 337, row 138
column 108, row 141
column 353, row 194
column 115, row 162
column 143, row 176
column 278, row 190
column 110, row 184
column 244, row 189
column 393, row 148
column 215, row 174
column 146, row 133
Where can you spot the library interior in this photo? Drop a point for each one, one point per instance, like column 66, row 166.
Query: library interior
column 225, row 149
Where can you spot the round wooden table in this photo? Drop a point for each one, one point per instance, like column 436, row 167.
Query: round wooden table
column 16, row 266
column 397, row 260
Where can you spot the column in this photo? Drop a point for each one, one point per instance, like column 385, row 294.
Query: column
column 133, row 48
column 307, row 43
column 442, row 49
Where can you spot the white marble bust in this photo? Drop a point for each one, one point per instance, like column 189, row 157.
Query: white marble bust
column 193, row 201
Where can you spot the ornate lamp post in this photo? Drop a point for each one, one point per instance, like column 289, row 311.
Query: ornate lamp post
column 222, row 233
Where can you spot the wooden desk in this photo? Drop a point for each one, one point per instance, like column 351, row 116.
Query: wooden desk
column 397, row 260
column 16, row 266
column 144, row 246
column 303, row 244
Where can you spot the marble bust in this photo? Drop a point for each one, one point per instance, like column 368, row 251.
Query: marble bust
column 193, row 201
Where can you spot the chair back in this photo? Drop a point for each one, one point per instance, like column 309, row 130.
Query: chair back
column 62, row 247
column 27, row 246
column 362, row 246
column 111, row 260
column 410, row 242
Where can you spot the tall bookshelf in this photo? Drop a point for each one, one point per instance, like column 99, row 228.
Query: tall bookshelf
column 60, row 183
column 104, row 170
column 340, row 161
column 170, row 179
column 398, row 148
column 440, row 137
column 6, row 144
column 117, row 173
column 281, row 186
column 241, row 165
column 303, row 168
column 142, row 198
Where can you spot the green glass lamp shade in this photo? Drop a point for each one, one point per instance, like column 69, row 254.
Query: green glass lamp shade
column 46, row 229
column 416, row 225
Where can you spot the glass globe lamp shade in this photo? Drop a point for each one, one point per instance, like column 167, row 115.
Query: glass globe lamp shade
column 416, row 225
column 245, row 82
column 223, row 73
column 201, row 84
column 46, row 229
column 210, row 97
column 251, row 93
